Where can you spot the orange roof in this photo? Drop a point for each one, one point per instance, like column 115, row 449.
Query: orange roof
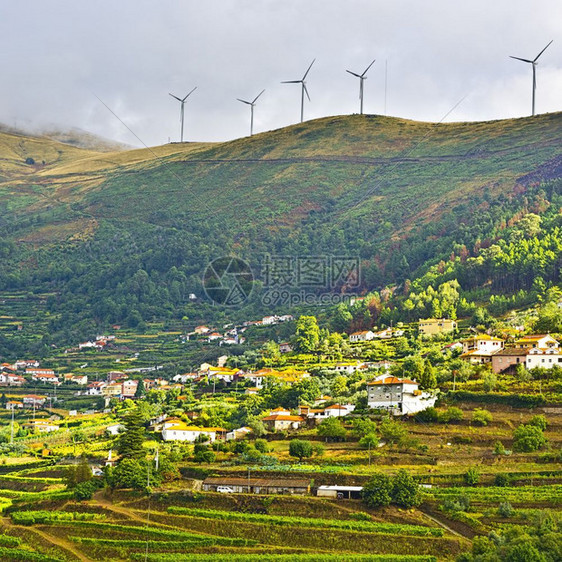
column 392, row 380
column 281, row 417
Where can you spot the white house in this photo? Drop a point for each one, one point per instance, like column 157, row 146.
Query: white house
column 42, row 426
column 365, row 335
column 349, row 367
column 14, row 405
column 115, row 429
column 239, row 433
column 479, row 349
column 545, row 358
column 398, row 396
column 177, row 430
column 539, row 341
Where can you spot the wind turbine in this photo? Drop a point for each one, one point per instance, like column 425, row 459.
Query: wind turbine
column 362, row 78
column 251, row 104
column 182, row 101
column 534, row 64
column 304, row 89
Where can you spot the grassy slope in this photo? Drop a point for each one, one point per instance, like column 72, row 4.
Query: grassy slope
column 368, row 166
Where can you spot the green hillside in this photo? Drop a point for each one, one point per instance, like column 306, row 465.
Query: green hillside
column 111, row 233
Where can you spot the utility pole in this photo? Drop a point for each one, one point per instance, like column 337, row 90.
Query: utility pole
column 12, row 426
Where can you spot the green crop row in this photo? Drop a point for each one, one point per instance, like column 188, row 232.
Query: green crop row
column 137, row 530
column 284, row 557
column 37, row 496
column 527, row 494
column 166, row 545
column 32, row 517
column 364, row 526
column 13, row 554
column 7, row 540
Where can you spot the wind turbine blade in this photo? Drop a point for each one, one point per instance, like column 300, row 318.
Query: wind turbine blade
column 308, row 70
column 536, row 58
column 365, row 72
column 244, row 101
column 190, row 93
column 176, row 97
column 524, row 60
column 354, row 74
column 306, row 90
column 256, row 98
column 291, row 82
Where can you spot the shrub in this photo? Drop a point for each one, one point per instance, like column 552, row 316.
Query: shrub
column 405, row 490
column 502, row 480
column 85, row 490
column 332, row 428
column 539, row 421
column 204, row 456
column 393, row 431
column 499, row 449
column 505, row 509
column 481, row 417
column 428, row 415
column 369, row 441
column 472, row 476
column 376, row 492
column 451, row 415
column 300, row 449
column 528, row 438
column 459, row 503
column 261, row 445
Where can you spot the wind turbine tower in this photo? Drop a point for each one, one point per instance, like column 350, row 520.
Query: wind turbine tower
column 534, row 64
column 362, row 78
column 182, row 102
column 304, row 89
column 251, row 104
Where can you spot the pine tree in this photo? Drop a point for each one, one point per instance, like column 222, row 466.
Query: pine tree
column 131, row 440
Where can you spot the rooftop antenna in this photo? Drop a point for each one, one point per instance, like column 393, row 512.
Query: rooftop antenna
column 362, row 78
column 251, row 104
column 303, row 89
column 534, row 64
column 182, row 102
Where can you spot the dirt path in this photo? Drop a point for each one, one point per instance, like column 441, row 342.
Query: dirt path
column 465, row 537
column 57, row 541
column 127, row 512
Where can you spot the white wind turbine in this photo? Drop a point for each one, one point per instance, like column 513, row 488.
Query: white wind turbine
column 182, row 102
column 362, row 78
column 304, row 90
column 534, row 64
column 251, row 104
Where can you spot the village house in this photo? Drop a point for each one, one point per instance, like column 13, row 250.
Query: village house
column 25, row 363
column 11, row 379
column 239, row 433
column 433, row 326
column 539, row 341
column 46, row 378
column 349, row 367
column 42, row 426
column 545, row 358
column 214, row 336
column 507, row 359
column 129, row 388
column 95, row 388
column 282, row 422
column 112, row 390
column 385, row 334
column 252, row 390
column 14, row 405
column 76, row 379
column 115, row 428
column 365, row 335
column 480, row 348
column 34, row 400
column 177, row 430
column 285, row 486
column 201, row 330
column 285, row 347
column 398, row 396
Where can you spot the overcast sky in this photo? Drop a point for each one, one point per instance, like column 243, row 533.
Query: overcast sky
column 56, row 54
